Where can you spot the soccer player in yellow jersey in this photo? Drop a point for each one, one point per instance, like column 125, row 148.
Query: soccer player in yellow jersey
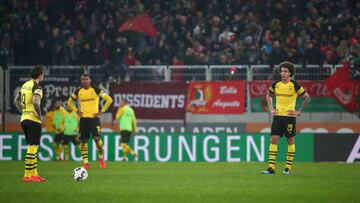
column 127, row 125
column 88, row 111
column 27, row 101
column 284, row 115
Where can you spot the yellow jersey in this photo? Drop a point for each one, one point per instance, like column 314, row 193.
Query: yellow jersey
column 27, row 91
column 89, row 101
column 286, row 95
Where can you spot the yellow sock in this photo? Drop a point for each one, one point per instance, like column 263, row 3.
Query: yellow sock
column 84, row 152
column 60, row 149
column 130, row 150
column 29, row 161
column 99, row 146
column 35, row 172
column 56, row 149
column 124, row 146
column 272, row 155
column 66, row 151
column 290, row 156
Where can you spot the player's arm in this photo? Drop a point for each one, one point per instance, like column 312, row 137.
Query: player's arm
column 306, row 100
column 300, row 91
column 17, row 102
column 108, row 101
column 36, row 102
column 269, row 99
column 71, row 102
column 134, row 123
column 104, row 96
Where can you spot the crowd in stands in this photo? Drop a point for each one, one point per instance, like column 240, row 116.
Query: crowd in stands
column 190, row 32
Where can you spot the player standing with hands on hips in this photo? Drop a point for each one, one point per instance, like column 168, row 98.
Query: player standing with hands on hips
column 88, row 97
column 28, row 101
column 284, row 115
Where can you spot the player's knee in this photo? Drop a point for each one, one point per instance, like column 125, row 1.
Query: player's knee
column 290, row 140
column 274, row 140
column 96, row 138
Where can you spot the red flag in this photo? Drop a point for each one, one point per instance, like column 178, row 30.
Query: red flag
column 141, row 23
column 343, row 88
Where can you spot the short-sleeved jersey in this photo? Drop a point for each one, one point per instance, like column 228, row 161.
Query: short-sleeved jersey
column 27, row 91
column 58, row 120
column 127, row 119
column 71, row 123
column 88, row 100
column 286, row 95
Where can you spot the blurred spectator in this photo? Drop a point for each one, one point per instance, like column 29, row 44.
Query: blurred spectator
column 177, row 73
column 278, row 54
column 312, row 55
column 42, row 55
column 72, row 52
column 57, row 47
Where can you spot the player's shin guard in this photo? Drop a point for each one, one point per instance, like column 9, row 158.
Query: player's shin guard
column 35, row 172
column 100, row 148
column 130, row 150
column 290, row 156
column 58, row 150
column 125, row 149
column 29, row 161
column 66, row 151
column 84, row 152
column 272, row 155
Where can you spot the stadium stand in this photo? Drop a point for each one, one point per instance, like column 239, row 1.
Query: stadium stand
column 255, row 32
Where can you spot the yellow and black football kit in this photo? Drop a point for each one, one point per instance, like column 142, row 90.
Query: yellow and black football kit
column 88, row 103
column 31, row 125
column 286, row 95
column 284, row 124
column 89, row 106
column 30, row 122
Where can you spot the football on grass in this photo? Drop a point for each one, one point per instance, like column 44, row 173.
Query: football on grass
column 80, row 173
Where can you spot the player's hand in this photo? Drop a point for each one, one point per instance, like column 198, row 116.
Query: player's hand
column 273, row 112
column 98, row 114
column 294, row 113
column 136, row 130
column 38, row 116
column 79, row 113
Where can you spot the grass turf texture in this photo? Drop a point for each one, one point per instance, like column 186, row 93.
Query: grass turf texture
column 183, row 182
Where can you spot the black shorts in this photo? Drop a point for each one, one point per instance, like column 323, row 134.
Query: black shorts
column 89, row 126
column 59, row 137
column 73, row 138
column 125, row 136
column 32, row 131
column 283, row 125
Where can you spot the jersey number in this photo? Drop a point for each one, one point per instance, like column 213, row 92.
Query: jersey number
column 23, row 98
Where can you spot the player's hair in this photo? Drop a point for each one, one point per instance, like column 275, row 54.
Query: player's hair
column 36, row 71
column 85, row 75
column 125, row 101
column 290, row 66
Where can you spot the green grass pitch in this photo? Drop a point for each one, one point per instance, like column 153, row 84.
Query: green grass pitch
column 182, row 182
